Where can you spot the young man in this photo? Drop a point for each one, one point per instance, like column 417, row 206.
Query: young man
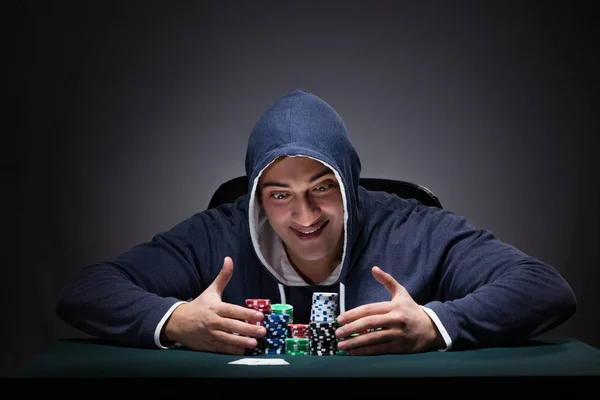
column 416, row 278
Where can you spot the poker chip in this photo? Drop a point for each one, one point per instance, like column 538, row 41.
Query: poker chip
column 322, row 338
column 283, row 309
column 277, row 331
column 258, row 350
column 276, row 325
column 369, row 331
column 286, row 337
column 298, row 341
column 264, row 306
column 323, row 324
column 324, row 307
column 297, row 346
column 298, row 331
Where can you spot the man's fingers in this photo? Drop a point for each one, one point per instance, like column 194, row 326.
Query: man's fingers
column 233, row 311
column 244, row 328
column 231, row 340
column 224, row 276
column 387, row 281
column 361, row 325
column 368, row 343
column 363, row 311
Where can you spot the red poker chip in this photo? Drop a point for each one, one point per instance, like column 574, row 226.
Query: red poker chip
column 258, row 302
column 262, row 305
column 298, row 326
column 262, row 310
column 299, row 330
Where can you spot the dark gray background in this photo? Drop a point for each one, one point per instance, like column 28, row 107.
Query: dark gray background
column 130, row 114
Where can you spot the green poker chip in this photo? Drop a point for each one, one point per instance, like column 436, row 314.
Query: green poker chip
column 283, row 309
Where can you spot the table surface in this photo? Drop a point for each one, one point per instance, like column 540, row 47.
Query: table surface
column 93, row 359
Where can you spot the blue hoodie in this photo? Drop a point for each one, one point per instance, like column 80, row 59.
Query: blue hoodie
column 478, row 290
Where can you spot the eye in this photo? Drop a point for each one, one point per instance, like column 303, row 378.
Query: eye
column 278, row 195
column 324, row 187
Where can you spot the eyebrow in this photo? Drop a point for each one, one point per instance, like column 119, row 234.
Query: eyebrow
column 313, row 178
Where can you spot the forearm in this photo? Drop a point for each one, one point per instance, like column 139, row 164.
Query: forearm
column 524, row 302
column 102, row 302
column 490, row 292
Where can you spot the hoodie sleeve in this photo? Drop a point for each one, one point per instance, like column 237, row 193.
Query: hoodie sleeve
column 127, row 297
column 491, row 293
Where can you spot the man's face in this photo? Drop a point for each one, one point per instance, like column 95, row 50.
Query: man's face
column 303, row 203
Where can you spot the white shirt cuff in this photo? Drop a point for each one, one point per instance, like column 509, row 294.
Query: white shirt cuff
column 440, row 327
column 159, row 327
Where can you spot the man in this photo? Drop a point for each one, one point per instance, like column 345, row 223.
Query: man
column 416, row 278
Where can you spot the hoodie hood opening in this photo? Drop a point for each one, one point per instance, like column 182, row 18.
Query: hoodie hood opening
column 269, row 247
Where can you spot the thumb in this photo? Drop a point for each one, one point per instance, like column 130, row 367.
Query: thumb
column 387, row 281
column 224, row 276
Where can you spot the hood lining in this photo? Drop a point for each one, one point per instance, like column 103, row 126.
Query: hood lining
column 254, row 215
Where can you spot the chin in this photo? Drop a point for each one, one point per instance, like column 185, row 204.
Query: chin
column 312, row 258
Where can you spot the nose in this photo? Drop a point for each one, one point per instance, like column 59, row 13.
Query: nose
column 306, row 211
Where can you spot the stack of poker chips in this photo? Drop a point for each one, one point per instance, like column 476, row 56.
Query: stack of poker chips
column 298, row 341
column 323, row 324
column 283, row 309
column 264, row 306
column 299, row 331
column 277, row 332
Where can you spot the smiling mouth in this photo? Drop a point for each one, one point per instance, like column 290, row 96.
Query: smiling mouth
column 312, row 233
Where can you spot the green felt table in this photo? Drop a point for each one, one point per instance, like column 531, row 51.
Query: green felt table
column 100, row 364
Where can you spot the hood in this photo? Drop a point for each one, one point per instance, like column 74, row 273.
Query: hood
column 301, row 124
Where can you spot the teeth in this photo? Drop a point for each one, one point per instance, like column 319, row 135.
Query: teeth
column 313, row 231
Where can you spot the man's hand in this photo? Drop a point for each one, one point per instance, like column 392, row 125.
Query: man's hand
column 399, row 325
column 209, row 324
